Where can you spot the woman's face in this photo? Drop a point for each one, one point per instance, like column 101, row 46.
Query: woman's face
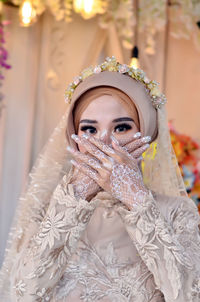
column 106, row 116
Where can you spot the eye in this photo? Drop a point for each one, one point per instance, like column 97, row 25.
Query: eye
column 122, row 128
column 89, row 129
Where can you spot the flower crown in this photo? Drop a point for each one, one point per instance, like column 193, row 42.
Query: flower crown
column 158, row 99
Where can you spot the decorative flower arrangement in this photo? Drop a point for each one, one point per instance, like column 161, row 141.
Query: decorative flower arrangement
column 111, row 64
column 3, row 54
column 122, row 14
column 151, row 17
column 188, row 155
column 183, row 15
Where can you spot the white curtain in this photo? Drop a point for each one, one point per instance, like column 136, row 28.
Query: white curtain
column 44, row 59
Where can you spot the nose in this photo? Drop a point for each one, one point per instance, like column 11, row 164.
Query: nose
column 105, row 137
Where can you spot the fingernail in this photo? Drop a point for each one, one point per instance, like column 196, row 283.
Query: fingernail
column 73, row 162
column 70, row 149
column 85, row 135
column 114, row 140
column 146, row 146
column 75, row 137
column 146, row 139
column 136, row 135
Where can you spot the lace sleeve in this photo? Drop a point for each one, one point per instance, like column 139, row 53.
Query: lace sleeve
column 166, row 235
column 39, row 265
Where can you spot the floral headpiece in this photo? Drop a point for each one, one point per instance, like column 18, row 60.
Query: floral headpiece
column 158, row 99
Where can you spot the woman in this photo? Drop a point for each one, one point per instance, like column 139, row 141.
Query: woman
column 110, row 229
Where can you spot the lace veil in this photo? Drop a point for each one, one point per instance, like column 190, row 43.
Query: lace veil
column 160, row 172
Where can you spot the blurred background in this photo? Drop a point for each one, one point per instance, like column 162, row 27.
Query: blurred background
column 44, row 44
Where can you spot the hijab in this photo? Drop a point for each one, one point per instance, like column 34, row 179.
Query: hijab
column 125, row 89
column 85, row 99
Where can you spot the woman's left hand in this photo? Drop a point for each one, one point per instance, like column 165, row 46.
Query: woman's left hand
column 113, row 169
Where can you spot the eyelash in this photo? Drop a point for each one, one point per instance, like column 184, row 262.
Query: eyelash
column 126, row 126
column 85, row 128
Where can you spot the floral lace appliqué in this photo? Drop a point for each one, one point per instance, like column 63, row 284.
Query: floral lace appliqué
column 106, row 277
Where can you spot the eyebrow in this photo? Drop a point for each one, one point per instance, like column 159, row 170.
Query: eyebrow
column 88, row 121
column 123, row 119
column 120, row 119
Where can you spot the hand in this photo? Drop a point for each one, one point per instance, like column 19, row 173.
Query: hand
column 134, row 146
column 113, row 169
column 84, row 186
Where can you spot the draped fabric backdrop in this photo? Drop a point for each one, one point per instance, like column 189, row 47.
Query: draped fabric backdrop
column 45, row 58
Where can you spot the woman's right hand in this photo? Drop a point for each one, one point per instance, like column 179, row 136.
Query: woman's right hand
column 135, row 146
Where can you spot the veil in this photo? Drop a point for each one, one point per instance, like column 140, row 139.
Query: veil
column 160, row 173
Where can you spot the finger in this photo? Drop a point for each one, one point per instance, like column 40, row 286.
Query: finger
column 91, row 148
column 137, row 143
column 107, row 161
column 101, row 146
column 86, row 159
column 140, row 150
column 86, row 170
column 117, row 147
column 139, row 160
column 124, row 141
column 133, row 155
column 123, row 151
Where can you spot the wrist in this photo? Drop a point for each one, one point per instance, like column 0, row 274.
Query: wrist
column 138, row 198
column 79, row 190
column 82, row 192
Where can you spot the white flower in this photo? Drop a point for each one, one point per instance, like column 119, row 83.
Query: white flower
column 155, row 91
column 43, row 295
column 76, row 80
column 67, row 99
column 20, row 288
column 97, row 69
column 52, row 227
column 146, row 80
column 123, row 68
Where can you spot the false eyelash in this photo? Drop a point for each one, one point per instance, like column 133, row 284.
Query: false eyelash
column 126, row 126
column 84, row 128
column 89, row 127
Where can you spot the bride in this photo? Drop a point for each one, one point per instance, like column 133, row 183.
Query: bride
column 106, row 216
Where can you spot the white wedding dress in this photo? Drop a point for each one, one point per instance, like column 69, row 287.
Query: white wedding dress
column 62, row 249
column 100, row 251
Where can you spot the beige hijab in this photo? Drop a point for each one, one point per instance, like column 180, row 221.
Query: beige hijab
column 129, row 91
column 84, row 101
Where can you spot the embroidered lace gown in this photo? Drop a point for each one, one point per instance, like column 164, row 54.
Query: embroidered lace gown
column 100, row 251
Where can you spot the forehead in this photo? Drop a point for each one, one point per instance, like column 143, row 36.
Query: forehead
column 105, row 105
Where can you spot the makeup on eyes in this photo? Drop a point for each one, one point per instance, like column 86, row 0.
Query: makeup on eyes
column 88, row 129
column 123, row 125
